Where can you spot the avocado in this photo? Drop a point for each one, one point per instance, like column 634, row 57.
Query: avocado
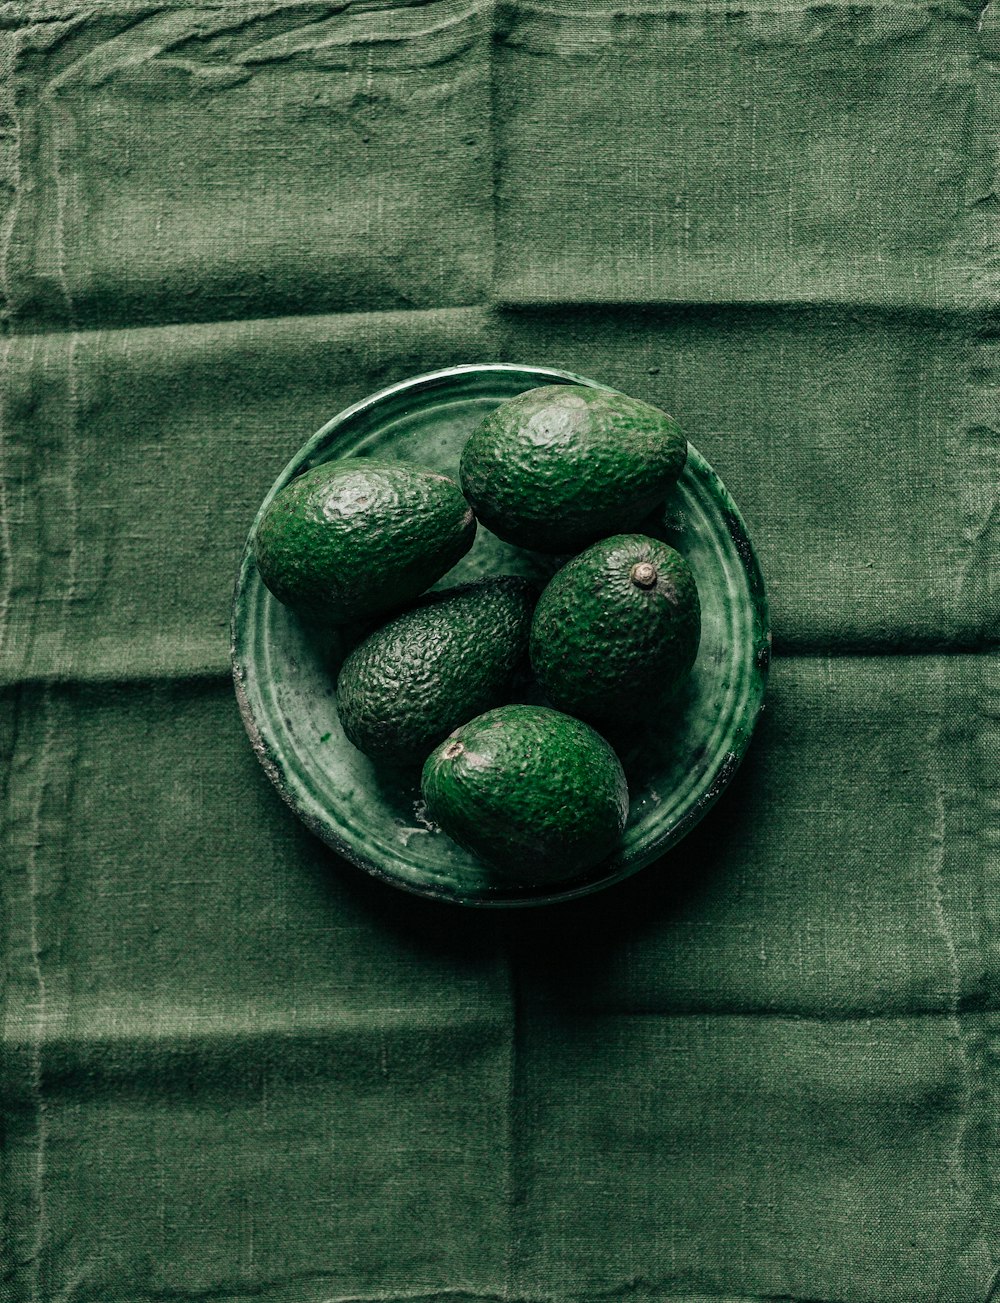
column 557, row 467
column 450, row 657
column 616, row 630
column 355, row 538
column 534, row 793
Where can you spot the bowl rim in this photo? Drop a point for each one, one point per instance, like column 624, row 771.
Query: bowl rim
column 545, row 893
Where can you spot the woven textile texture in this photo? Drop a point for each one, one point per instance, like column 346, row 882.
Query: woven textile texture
column 235, row 1069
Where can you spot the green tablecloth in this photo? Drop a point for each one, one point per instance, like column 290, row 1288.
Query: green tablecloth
column 235, row 1069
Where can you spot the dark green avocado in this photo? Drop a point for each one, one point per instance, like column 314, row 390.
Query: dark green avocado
column 557, row 467
column 355, row 538
column 451, row 657
column 617, row 629
column 534, row 793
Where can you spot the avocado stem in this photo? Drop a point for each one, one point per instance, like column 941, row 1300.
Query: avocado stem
column 452, row 750
column 643, row 574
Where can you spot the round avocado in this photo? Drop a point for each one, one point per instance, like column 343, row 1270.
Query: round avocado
column 450, row 657
column 616, row 630
column 534, row 793
column 355, row 538
column 557, row 467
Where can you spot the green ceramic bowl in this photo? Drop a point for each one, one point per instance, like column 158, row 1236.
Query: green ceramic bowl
column 285, row 673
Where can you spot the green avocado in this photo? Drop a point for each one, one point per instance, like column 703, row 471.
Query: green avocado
column 536, row 794
column 355, row 538
column 557, row 467
column 617, row 629
column 403, row 689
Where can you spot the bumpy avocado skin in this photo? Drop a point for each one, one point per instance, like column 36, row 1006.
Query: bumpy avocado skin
column 534, row 793
column 557, row 467
column 403, row 689
column 608, row 648
column 354, row 538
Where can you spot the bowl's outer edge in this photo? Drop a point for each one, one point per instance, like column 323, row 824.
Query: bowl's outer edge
column 271, row 762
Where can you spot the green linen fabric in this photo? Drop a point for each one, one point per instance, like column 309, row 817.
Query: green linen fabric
column 234, row 1068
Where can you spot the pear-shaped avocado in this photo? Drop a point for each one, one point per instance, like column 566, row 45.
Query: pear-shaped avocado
column 354, row 538
column 450, row 657
column 557, row 467
column 617, row 629
column 534, row 793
